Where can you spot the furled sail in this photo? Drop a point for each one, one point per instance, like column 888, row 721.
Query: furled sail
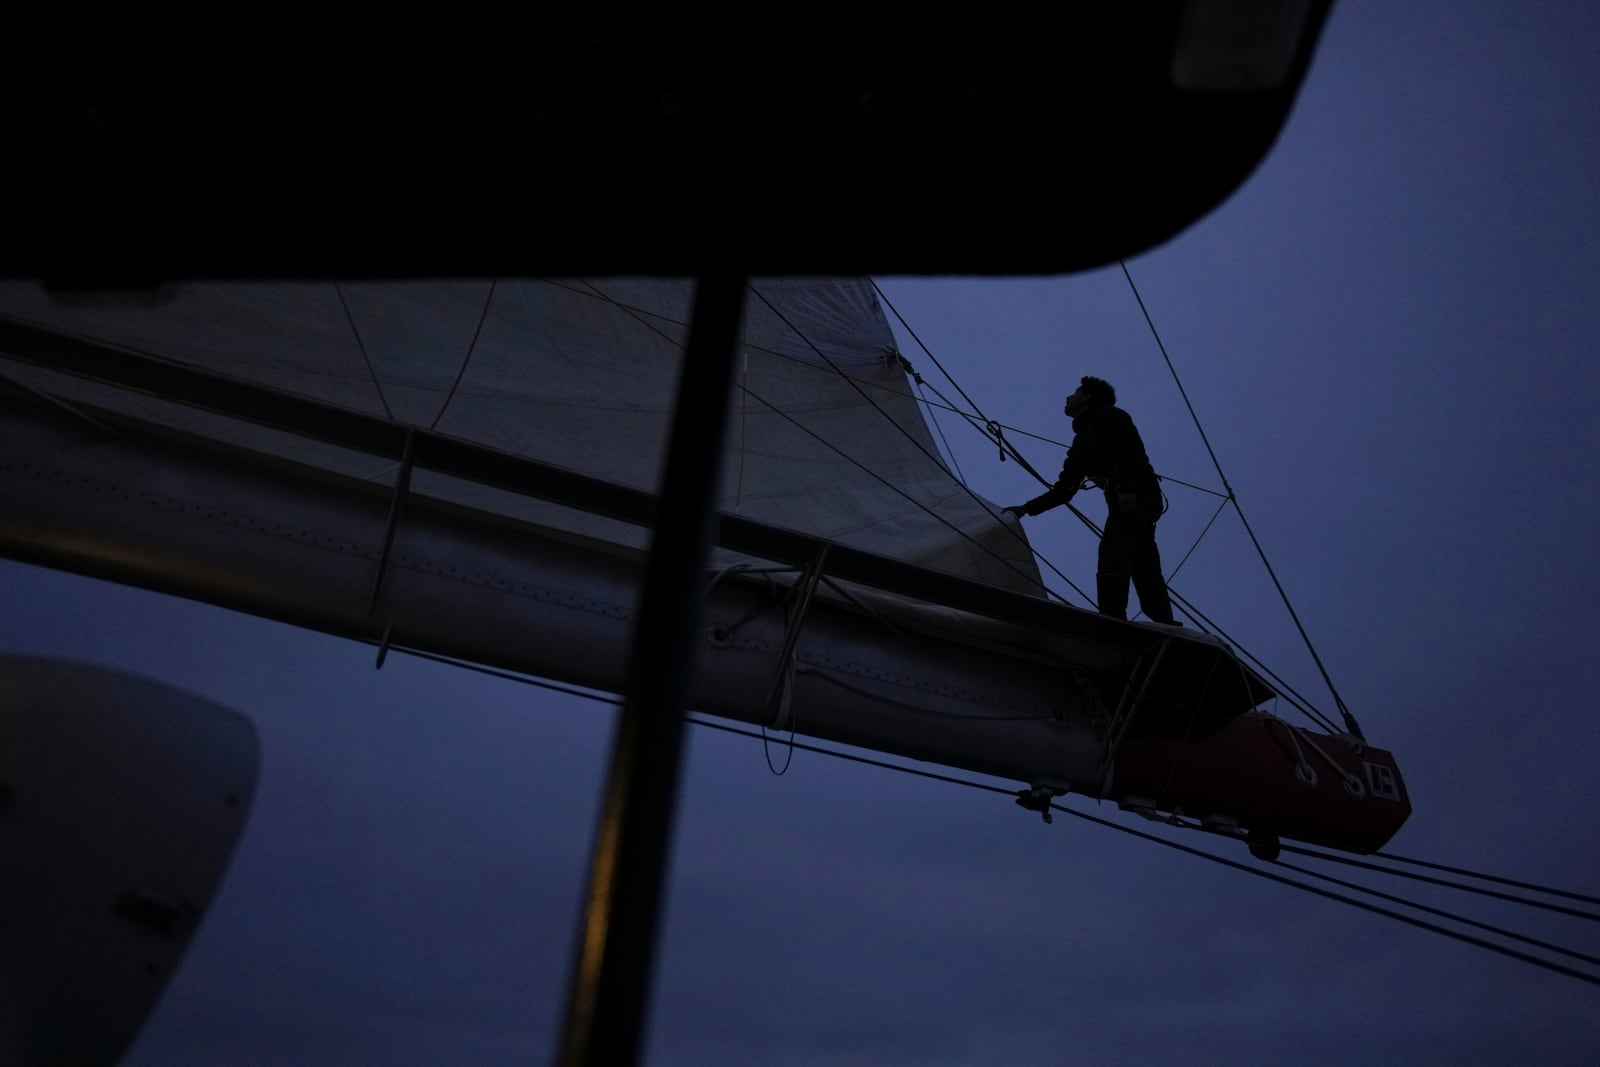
column 467, row 468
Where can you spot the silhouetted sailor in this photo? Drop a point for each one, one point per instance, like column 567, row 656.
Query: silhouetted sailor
column 1107, row 449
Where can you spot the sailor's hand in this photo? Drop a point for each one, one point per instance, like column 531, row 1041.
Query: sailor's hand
column 1016, row 511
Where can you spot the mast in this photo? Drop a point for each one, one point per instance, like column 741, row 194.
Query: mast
column 607, row 1003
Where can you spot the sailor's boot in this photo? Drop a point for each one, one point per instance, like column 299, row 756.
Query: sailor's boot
column 1111, row 590
column 1153, row 598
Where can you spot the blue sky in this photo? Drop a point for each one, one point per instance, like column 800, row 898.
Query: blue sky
column 1388, row 333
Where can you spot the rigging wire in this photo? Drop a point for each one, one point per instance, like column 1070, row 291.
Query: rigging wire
column 1363, row 905
column 922, row 391
column 1524, row 938
column 788, row 758
column 988, row 788
column 1288, row 692
column 1191, row 485
column 882, row 296
column 1490, row 878
column 1414, row 876
column 366, row 358
column 1196, row 544
column 1349, row 719
column 471, row 347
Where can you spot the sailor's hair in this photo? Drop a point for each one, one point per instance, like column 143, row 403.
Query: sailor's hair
column 1099, row 389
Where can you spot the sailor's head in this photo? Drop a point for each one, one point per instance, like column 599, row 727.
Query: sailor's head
column 1091, row 391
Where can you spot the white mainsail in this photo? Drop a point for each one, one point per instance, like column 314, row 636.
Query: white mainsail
column 826, row 437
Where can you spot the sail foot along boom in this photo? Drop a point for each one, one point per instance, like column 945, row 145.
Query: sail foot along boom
column 268, row 540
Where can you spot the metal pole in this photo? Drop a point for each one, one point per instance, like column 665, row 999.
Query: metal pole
column 611, row 978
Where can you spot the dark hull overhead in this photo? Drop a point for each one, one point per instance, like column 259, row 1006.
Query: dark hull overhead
column 204, row 143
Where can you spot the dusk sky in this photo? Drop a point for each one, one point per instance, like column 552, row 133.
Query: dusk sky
column 1388, row 333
